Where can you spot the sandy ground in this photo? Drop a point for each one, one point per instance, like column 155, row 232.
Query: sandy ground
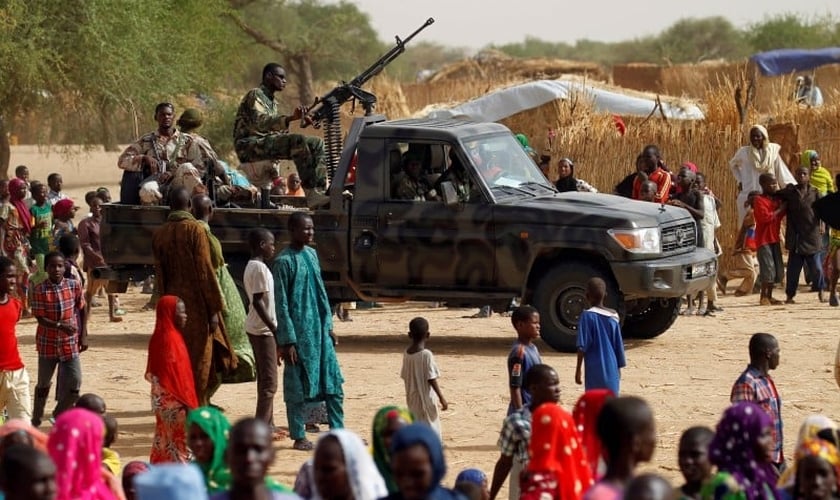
column 685, row 374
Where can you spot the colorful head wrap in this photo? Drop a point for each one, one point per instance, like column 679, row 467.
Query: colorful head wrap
column 820, row 449
column 585, row 413
column 733, row 449
column 63, row 208
column 806, row 157
column 381, row 454
column 217, row 427
column 556, row 447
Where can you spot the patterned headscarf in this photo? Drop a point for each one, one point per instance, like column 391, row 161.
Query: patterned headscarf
column 75, row 446
column 381, row 456
column 555, row 447
column 585, row 414
column 422, row 434
column 820, row 449
column 806, row 157
column 63, row 208
column 807, row 431
column 733, row 449
column 217, row 427
column 362, row 475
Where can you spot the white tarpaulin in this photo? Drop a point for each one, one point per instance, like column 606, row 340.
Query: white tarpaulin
column 503, row 103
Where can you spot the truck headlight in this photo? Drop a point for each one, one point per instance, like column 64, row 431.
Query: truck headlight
column 642, row 240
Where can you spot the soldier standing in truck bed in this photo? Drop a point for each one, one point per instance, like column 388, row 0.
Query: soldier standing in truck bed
column 261, row 132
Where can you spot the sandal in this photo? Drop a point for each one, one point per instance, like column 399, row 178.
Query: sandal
column 279, row 435
column 119, row 312
column 115, row 319
column 303, row 445
column 313, row 428
column 95, row 303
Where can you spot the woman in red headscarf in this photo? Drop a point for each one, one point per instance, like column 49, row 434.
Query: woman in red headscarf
column 16, row 225
column 173, row 391
column 585, row 413
column 558, row 465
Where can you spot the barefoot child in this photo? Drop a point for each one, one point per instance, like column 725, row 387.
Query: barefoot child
column 768, row 220
column 12, row 372
column 59, row 338
column 694, row 460
column 599, row 343
column 420, row 373
column 523, row 355
column 261, row 322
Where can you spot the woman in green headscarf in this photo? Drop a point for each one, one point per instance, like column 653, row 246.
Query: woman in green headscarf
column 207, row 436
column 387, row 421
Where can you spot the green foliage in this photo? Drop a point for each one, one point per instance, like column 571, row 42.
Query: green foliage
column 692, row 40
column 793, row 31
column 695, row 40
column 338, row 38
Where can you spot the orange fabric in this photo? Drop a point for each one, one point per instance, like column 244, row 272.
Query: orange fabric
column 556, row 450
column 662, row 179
column 296, row 192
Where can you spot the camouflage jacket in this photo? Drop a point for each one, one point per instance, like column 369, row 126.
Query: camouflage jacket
column 174, row 150
column 258, row 115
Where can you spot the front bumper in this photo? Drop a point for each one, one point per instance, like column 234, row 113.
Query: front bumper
column 667, row 277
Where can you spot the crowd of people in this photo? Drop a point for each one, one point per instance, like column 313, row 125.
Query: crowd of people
column 204, row 335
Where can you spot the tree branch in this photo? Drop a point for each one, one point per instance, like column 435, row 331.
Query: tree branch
column 258, row 36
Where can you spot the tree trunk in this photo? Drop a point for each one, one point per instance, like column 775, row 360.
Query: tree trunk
column 5, row 150
column 109, row 136
column 301, row 67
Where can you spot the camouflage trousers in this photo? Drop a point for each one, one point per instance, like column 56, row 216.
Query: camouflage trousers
column 306, row 151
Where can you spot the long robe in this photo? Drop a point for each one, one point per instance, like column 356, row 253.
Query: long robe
column 183, row 268
column 233, row 315
column 304, row 318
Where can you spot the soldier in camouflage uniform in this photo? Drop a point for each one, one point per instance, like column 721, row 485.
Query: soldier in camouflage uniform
column 160, row 153
column 261, row 132
column 413, row 185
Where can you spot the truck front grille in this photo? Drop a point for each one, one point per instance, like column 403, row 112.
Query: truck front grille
column 679, row 237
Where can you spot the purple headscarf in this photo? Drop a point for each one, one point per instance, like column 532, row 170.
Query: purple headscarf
column 733, row 449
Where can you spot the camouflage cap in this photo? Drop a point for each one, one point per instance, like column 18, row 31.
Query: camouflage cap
column 190, row 119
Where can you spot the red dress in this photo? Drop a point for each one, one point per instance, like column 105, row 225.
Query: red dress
column 173, row 390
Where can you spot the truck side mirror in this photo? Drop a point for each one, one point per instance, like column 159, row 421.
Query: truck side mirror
column 449, row 195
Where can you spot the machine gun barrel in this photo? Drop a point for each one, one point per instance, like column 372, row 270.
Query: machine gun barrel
column 324, row 108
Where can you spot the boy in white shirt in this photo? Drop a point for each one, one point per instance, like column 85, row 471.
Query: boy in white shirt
column 261, row 323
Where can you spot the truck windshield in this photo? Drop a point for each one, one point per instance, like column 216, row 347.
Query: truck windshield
column 505, row 167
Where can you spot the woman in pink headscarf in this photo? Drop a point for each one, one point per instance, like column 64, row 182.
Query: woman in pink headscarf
column 75, row 446
column 16, row 225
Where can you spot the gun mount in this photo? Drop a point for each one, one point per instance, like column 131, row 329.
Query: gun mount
column 327, row 108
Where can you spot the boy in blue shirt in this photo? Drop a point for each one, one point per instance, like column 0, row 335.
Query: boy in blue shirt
column 599, row 343
column 523, row 355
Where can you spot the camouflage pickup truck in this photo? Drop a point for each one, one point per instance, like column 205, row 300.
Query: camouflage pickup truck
column 503, row 232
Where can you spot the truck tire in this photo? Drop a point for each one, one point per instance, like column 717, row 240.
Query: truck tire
column 559, row 297
column 651, row 319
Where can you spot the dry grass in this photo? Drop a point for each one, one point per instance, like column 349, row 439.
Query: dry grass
column 603, row 156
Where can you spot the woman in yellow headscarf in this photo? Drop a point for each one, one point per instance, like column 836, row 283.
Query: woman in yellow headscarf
column 817, row 471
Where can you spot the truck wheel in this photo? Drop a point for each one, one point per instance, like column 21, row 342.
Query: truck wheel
column 559, row 296
column 651, row 318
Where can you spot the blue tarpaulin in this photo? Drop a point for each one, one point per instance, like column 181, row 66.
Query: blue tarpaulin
column 785, row 61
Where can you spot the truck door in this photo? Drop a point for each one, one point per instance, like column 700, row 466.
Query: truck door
column 422, row 243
